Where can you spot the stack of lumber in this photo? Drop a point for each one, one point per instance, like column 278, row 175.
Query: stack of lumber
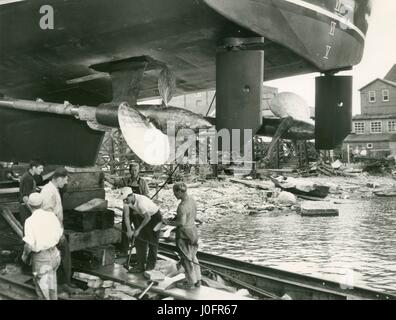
column 83, row 186
column 89, row 224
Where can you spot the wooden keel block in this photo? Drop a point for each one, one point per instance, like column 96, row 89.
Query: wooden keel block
column 80, row 180
column 95, row 257
column 83, row 240
column 88, row 221
column 93, row 205
column 318, row 209
column 73, row 199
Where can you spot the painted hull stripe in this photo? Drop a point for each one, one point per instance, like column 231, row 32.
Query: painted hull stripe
column 327, row 13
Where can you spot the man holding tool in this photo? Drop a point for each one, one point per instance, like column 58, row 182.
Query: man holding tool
column 139, row 186
column 147, row 219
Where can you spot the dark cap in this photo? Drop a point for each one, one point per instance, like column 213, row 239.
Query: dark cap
column 60, row 172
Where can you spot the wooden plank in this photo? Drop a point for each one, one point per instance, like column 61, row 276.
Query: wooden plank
column 12, row 222
column 96, row 238
column 9, row 190
column 318, row 209
column 9, row 197
column 92, row 205
column 89, row 221
column 251, row 184
column 117, row 273
column 73, row 199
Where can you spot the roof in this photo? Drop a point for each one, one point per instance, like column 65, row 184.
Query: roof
column 385, row 137
column 374, row 116
column 378, row 79
column 391, row 75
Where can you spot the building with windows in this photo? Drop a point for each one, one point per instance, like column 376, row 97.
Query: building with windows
column 374, row 130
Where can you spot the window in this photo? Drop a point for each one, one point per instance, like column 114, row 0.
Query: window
column 385, row 95
column 376, row 127
column 372, row 96
column 391, row 126
column 370, row 146
column 359, row 127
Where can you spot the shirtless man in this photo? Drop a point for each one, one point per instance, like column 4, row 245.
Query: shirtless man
column 187, row 236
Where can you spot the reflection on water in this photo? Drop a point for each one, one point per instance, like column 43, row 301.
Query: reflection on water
column 356, row 248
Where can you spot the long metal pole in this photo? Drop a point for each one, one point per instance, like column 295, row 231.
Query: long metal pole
column 84, row 113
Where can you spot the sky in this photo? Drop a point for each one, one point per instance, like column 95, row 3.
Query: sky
column 379, row 57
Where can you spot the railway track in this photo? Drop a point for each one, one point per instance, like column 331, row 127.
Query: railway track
column 280, row 282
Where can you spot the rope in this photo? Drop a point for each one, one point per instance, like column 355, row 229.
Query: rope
column 166, row 181
column 210, row 107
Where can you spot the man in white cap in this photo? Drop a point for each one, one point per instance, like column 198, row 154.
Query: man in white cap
column 42, row 233
column 146, row 218
column 139, row 186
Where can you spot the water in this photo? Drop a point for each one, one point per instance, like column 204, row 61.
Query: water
column 357, row 248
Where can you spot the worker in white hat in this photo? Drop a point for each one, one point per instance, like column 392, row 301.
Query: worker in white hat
column 138, row 185
column 146, row 218
column 42, row 233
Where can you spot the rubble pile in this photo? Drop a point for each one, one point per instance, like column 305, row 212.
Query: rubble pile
column 321, row 168
column 250, row 197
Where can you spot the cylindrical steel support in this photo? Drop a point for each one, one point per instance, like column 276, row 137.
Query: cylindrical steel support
column 107, row 114
column 333, row 111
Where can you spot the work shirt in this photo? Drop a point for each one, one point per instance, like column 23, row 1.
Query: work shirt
column 52, row 200
column 27, row 185
column 42, row 230
column 138, row 186
column 143, row 206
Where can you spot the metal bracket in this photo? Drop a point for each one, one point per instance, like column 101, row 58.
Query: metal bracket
column 256, row 43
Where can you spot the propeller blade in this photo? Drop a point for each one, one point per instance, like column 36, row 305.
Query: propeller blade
column 166, row 85
column 145, row 140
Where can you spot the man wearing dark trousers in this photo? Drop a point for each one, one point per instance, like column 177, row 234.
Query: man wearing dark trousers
column 52, row 202
column 147, row 219
column 27, row 186
column 138, row 186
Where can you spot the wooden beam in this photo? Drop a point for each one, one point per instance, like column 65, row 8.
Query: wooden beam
column 96, row 238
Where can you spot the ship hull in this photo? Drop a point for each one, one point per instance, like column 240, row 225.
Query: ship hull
column 184, row 34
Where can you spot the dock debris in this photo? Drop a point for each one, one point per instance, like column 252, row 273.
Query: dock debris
column 318, row 209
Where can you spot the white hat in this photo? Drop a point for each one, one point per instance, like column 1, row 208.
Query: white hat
column 125, row 192
column 35, row 199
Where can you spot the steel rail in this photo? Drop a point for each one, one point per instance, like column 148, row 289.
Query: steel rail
column 281, row 281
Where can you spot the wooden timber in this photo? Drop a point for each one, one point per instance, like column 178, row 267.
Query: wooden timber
column 89, row 220
column 73, row 199
column 83, row 240
column 119, row 274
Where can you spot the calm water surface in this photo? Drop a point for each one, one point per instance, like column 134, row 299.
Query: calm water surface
column 357, row 248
